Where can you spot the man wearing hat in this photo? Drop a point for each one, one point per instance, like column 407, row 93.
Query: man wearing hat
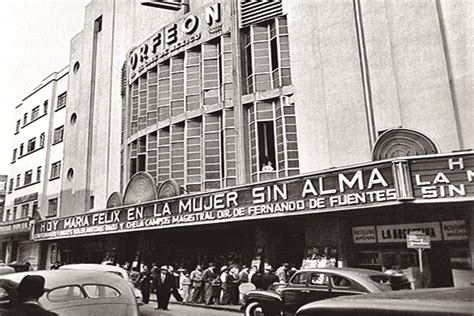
column 163, row 285
column 30, row 289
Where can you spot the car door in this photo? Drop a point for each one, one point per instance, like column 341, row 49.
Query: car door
column 342, row 285
column 294, row 295
column 318, row 287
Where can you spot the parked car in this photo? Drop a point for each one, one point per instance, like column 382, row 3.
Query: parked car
column 422, row 302
column 4, row 269
column 105, row 268
column 313, row 285
column 75, row 293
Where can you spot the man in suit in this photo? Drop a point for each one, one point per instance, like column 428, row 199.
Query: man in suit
column 30, row 289
column 163, row 285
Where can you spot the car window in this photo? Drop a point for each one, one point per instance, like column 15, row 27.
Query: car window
column 339, row 281
column 319, row 279
column 299, row 278
column 100, row 291
column 65, row 293
column 116, row 273
column 382, row 282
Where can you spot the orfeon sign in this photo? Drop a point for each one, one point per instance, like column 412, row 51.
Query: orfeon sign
column 371, row 185
column 192, row 29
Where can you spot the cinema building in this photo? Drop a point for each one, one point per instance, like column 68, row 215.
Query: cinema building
column 317, row 133
column 34, row 180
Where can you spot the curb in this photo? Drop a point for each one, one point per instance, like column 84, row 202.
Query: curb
column 228, row 308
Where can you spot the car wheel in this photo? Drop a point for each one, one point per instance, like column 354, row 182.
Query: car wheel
column 254, row 309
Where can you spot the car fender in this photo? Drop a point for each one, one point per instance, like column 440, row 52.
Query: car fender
column 270, row 301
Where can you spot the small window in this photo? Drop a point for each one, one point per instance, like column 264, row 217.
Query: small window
column 66, row 293
column 52, row 207
column 17, row 128
column 58, row 135
column 31, row 144
column 274, row 53
column 61, row 101
column 42, row 140
column 38, row 174
column 266, row 145
column 21, row 150
column 24, row 210
column 339, row 281
column 45, row 106
column 318, row 279
column 14, row 155
column 18, row 180
column 13, row 213
column 35, row 113
column 28, row 177
column 25, row 118
column 98, row 25
column 10, row 186
column 73, row 118
column 300, row 278
column 76, row 67
column 100, row 291
column 55, row 170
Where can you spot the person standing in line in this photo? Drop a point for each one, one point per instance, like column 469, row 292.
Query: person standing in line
column 186, row 286
column 233, row 282
column 145, row 284
column 196, row 283
column 268, row 277
column 244, row 274
column 30, row 289
column 174, row 291
column 163, row 285
column 225, row 288
column 208, row 276
column 282, row 273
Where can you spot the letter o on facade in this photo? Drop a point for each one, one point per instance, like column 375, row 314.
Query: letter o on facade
column 190, row 24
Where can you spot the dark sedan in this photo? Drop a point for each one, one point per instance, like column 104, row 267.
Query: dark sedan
column 422, row 302
column 313, row 285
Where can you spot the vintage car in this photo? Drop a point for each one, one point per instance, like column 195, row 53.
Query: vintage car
column 75, row 293
column 106, row 268
column 422, row 302
column 313, row 285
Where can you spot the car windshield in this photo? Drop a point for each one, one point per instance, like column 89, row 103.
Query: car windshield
column 382, row 282
column 117, row 273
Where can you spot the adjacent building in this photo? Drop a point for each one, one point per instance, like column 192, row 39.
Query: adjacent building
column 310, row 132
column 34, row 185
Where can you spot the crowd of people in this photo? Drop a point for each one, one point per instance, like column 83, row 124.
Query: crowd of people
column 204, row 285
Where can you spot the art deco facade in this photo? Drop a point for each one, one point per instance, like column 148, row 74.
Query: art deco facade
column 234, row 93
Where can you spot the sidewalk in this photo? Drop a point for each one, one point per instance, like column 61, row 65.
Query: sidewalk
column 230, row 308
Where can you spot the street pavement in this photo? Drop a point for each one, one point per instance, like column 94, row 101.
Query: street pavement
column 184, row 310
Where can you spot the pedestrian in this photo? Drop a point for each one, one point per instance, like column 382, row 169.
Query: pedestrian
column 163, row 285
column 145, row 284
column 244, row 274
column 174, row 290
column 186, row 286
column 208, row 276
column 232, row 282
column 30, row 289
column 268, row 277
column 282, row 273
column 225, row 291
column 196, row 283
column 135, row 276
column 55, row 266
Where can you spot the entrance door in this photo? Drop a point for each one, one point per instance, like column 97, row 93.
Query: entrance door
column 289, row 242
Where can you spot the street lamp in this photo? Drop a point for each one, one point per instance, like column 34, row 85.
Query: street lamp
column 174, row 5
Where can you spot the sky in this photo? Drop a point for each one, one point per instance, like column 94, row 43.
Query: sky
column 35, row 37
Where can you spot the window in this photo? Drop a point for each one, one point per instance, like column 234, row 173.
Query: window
column 66, row 293
column 100, row 291
column 24, row 210
column 31, row 144
column 300, row 278
column 58, row 135
column 319, row 279
column 274, row 53
column 34, row 210
column 25, row 118
column 10, row 186
column 18, row 180
column 61, row 101
column 38, row 174
column 21, row 150
column 13, row 214
column 339, row 281
column 17, row 128
column 28, row 177
column 42, row 140
column 266, row 145
column 45, row 107
column 35, row 113
column 55, row 170
column 52, row 207
column 14, row 155
column 91, row 202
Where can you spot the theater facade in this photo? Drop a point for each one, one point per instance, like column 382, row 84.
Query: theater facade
column 357, row 216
